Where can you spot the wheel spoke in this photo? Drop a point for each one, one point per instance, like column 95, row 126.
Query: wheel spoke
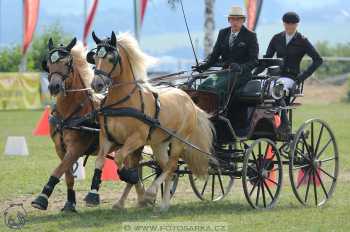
column 321, row 182
column 149, row 176
column 302, row 166
column 319, row 139
column 257, row 195
column 308, row 187
column 324, row 148
column 321, row 169
column 221, row 186
column 253, row 169
column 272, row 181
column 307, row 147
column 303, row 178
column 204, row 186
column 275, row 169
column 213, row 188
column 312, row 136
column 315, row 191
column 263, row 193
column 252, row 178
column 269, row 191
column 254, row 186
column 328, row 159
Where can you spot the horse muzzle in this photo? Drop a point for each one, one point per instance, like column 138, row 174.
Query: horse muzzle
column 100, row 83
column 55, row 86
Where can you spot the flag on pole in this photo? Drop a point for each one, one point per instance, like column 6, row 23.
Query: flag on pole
column 139, row 14
column 253, row 13
column 30, row 18
column 90, row 18
column 143, row 9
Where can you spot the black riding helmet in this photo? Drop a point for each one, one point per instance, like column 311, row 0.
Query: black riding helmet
column 291, row 17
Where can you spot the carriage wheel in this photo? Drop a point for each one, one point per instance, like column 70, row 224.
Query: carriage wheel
column 149, row 170
column 314, row 163
column 212, row 188
column 262, row 174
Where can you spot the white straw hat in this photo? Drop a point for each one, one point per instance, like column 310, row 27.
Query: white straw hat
column 236, row 11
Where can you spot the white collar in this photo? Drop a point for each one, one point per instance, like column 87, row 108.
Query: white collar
column 290, row 36
column 235, row 32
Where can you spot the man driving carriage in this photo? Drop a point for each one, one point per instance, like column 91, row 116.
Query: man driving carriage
column 238, row 49
column 291, row 46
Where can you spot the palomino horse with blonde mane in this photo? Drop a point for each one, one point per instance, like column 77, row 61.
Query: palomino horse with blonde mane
column 69, row 79
column 133, row 109
column 72, row 131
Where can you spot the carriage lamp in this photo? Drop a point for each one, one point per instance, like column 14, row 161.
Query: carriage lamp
column 278, row 91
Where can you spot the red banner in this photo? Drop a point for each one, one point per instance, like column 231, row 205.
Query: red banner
column 253, row 13
column 89, row 20
column 30, row 18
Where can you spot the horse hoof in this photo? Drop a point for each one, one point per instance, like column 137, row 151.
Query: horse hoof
column 160, row 209
column 118, row 206
column 69, row 207
column 40, row 203
column 92, row 199
column 142, row 204
column 150, row 198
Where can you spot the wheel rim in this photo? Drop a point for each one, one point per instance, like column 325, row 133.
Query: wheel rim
column 212, row 188
column 313, row 165
column 262, row 174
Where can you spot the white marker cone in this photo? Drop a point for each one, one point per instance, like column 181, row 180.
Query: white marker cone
column 16, row 145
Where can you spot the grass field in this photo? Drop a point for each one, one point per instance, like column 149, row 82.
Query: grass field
column 23, row 177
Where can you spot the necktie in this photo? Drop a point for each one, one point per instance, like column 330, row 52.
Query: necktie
column 233, row 37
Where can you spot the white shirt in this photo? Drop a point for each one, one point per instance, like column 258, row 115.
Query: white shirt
column 289, row 37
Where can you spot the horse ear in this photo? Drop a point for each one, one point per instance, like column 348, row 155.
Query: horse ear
column 96, row 39
column 50, row 44
column 44, row 65
column 90, row 57
column 113, row 39
column 71, row 44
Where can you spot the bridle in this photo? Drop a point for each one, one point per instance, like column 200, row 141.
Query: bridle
column 54, row 56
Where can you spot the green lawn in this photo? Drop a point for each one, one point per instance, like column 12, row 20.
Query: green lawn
column 23, row 177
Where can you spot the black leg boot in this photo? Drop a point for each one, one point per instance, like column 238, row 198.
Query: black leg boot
column 41, row 202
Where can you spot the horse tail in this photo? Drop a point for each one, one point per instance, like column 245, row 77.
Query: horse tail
column 202, row 136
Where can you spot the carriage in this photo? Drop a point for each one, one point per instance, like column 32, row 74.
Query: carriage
column 258, row 154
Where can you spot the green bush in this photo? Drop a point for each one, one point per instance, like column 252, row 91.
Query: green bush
column 10, row 56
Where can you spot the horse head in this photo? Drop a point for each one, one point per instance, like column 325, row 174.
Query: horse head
column 59, row 64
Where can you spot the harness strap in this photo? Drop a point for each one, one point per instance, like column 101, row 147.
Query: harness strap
column 124, row 99
column 129, row 112
column 156, row 114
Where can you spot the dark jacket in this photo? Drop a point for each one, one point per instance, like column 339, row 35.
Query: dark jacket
column 292, row 55
column 244, row 51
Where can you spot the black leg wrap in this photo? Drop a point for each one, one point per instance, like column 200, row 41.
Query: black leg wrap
column 71, row 196
column 41, row 202
column 48, row 188
column 130, row 175
column 96, row 180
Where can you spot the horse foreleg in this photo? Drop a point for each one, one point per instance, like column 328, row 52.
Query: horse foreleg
column 131, row 145
column 41, row 202
column 93, row 198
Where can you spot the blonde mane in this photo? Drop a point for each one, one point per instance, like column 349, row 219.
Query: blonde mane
column 84, row 69
column 139, row 60
column 81, row 65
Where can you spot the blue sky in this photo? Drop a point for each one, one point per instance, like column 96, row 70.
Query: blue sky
column 163, row 32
